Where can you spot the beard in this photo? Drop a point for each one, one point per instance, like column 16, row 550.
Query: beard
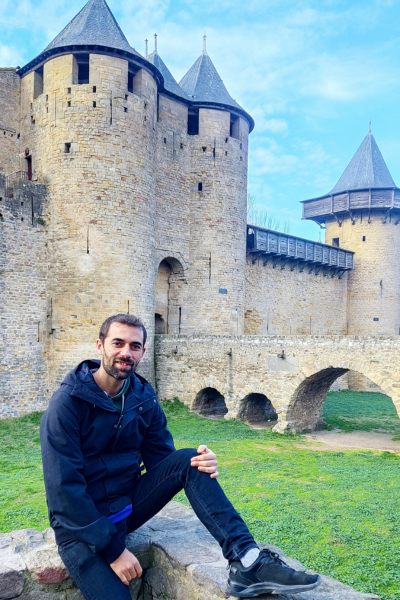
column 110, row 366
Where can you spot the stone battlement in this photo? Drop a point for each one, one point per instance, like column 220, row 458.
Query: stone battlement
column 180, row 560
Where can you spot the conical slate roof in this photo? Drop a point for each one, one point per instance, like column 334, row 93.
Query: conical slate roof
column 366, row 170
column 202, row 83
column 93, row 25
column 170, row 83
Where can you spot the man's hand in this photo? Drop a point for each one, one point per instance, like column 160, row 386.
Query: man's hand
column 206, row 461
column 127, row 567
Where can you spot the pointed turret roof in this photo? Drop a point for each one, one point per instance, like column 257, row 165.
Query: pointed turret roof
column 202, row 83
column 366, row 170
column 94, row 28
column 94, row 25
column 170, row 83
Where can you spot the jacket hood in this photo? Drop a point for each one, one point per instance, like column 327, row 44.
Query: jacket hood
column 83, row 385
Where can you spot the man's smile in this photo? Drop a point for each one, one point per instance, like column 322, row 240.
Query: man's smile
column 124, row 364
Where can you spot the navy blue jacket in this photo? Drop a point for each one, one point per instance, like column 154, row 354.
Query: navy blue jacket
column 92, row 455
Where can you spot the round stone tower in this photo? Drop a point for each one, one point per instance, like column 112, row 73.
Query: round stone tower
column 89, row 106
column 362, row 214
column 218, row 131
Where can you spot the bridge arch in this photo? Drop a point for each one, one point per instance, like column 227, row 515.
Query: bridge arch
column 305, row 397
column 255, row 407
column 209, row 402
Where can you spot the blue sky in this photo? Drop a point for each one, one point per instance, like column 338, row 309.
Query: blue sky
column 312, row 74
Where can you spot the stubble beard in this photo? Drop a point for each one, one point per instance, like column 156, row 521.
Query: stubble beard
column 112, row 370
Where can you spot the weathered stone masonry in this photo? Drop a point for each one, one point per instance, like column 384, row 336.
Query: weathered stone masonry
column 24, row 322
column 294, row 372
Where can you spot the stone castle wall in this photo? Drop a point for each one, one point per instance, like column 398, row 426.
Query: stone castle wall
column 292, row 302
column 373, row 285
column 23, row 299
column 116, row 170
column 141, row 217
column 10, row 88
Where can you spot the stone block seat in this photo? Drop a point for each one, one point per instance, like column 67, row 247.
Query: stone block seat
column 181, row 561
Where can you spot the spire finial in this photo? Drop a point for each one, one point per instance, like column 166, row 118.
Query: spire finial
column 146, row 41
column 204, row 43
column 155, row 43
column 369, row 127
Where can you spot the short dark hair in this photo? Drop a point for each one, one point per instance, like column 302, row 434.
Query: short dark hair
column 125, row 319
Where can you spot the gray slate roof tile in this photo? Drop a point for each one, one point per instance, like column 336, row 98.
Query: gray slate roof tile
column 169, row 81
column 367, row 169
column 202, row 83
column 93, row 25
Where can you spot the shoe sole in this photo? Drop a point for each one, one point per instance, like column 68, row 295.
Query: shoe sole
column 269, row 588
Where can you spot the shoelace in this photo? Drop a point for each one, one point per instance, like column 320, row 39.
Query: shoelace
column 270, row 556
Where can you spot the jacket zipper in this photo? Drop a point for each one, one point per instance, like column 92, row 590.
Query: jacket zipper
column 118, row 425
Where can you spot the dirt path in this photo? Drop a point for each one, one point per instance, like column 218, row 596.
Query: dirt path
column 335, row 440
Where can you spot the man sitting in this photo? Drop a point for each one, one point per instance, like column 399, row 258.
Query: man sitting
column 101, row 425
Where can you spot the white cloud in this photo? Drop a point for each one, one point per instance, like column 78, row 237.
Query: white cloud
column 9, row 56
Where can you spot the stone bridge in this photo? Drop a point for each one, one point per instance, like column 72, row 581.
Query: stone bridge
column 294, row 373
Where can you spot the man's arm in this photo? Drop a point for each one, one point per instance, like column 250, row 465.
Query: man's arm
column 68, row 501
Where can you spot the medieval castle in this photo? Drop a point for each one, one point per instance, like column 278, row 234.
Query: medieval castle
column 124, row 191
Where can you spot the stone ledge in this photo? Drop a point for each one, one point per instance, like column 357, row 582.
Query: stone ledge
column 180, row 559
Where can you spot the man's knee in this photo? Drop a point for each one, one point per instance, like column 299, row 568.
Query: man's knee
column 185, row 455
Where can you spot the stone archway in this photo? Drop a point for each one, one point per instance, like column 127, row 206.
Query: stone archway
column 209, row 402
column 169, row 297
column 304, row 410
column 256, row 408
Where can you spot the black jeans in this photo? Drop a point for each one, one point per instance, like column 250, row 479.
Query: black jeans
column 92, row 574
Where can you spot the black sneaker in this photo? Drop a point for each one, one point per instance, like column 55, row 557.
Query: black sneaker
column 268, row 574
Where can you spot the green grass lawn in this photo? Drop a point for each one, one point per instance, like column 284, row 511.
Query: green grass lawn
column 365, row 411
column 337, row 512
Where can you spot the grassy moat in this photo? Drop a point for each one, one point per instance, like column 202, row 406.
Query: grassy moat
column 337, row 512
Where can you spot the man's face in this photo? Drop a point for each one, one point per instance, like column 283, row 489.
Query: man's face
column 122, row 350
